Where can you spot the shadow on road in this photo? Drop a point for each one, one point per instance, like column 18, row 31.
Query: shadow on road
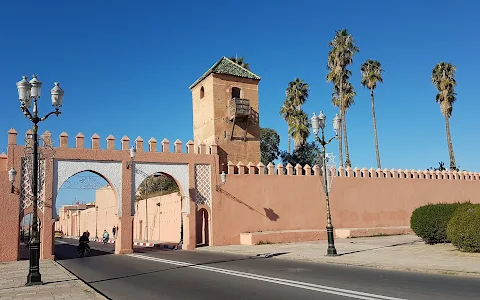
column 258, row 256
column 382, row 247
column 67, row 251
column 150, row 249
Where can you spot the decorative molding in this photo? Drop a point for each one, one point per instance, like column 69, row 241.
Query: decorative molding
column 179, row 172
column 110, row 171
column 26, row 188
column 203, row 185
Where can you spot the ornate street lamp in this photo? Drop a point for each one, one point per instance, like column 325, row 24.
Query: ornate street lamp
column 29, row 91
column 11, row 177
column 96, row 222
column 223, row 178
column 318, row 122
column 133, row 152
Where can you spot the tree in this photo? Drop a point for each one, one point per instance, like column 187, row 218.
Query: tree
column 372, row 74
column 441, row 167
column 157, row 185
column 299, row 128
column 287, row 111
column 443, row 77
column 341, row 54
column 297, row 120
column 308, row 153
column 240, row 61
column 269, row 145
column 349, row 99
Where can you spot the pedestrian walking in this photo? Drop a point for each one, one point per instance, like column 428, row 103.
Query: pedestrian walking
column 114, row 231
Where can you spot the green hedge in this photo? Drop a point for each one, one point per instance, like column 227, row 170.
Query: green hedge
column 463, row 229
column 429, row 222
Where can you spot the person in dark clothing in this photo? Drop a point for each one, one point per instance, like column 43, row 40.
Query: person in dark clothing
column 114, row 231
column 83, row 243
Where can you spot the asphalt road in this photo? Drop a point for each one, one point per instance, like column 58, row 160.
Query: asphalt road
column 160, row 274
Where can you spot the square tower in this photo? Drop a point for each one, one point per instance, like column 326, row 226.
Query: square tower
column 225, row 110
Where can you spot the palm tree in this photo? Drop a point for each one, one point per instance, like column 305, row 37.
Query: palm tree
column 299, row 128
column 287, row 112
column 298, row 124
column 348, row 93
column 240, row 61
column 343, row 49
column 443, row 77
column 349, row 99
column 371, row 74
column 297, row 92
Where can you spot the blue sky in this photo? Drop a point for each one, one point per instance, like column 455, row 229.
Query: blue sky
column 126, row 67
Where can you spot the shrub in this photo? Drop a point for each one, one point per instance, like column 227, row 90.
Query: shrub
column 429, row 222
column 463, row 229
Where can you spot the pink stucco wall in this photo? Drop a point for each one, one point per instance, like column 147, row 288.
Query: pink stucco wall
column 9, row 214
column 163, row 217
column 164, row 213
column 251, row 201
column 73, row 221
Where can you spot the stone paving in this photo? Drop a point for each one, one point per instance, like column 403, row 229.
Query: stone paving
column 58, row 283
column 404, row 252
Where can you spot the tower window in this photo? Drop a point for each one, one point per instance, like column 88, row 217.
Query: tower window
column 235, row 92
column 202, row 92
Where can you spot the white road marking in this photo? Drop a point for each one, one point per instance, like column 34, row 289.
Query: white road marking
column 292, row 283
column 61, row 242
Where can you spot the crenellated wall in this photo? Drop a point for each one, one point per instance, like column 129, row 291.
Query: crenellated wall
column 286, row 201
column 298, row 170
column 261, row 199
column 83, row 157
column 191, row 147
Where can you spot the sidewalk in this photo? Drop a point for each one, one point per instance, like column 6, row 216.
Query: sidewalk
column 58, row 283
column 403, row 252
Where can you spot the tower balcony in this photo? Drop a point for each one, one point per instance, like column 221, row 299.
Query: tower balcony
column 239, row 108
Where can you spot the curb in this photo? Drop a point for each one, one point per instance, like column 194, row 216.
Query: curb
column 170, row 246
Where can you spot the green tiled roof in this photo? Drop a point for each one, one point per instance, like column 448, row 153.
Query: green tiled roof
column 226, row 66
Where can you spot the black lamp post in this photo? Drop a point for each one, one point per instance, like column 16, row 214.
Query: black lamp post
column 318, row 122
column 96, row 222
column 28, row 91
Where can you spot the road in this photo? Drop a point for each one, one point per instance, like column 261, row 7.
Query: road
column 152, row 273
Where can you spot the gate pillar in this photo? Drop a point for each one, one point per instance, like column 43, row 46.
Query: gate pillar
column 9, row 206
column 189, row 219
column 124, row 242
column 47, row 245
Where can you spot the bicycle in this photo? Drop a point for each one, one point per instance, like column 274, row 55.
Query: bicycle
column 84, row 249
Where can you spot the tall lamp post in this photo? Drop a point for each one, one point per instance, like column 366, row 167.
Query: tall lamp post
column 28, row 91
column 96, row 222
column 318, row 122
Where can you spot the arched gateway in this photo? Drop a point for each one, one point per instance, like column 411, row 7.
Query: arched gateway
column 225, row 117
column 194, row 170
